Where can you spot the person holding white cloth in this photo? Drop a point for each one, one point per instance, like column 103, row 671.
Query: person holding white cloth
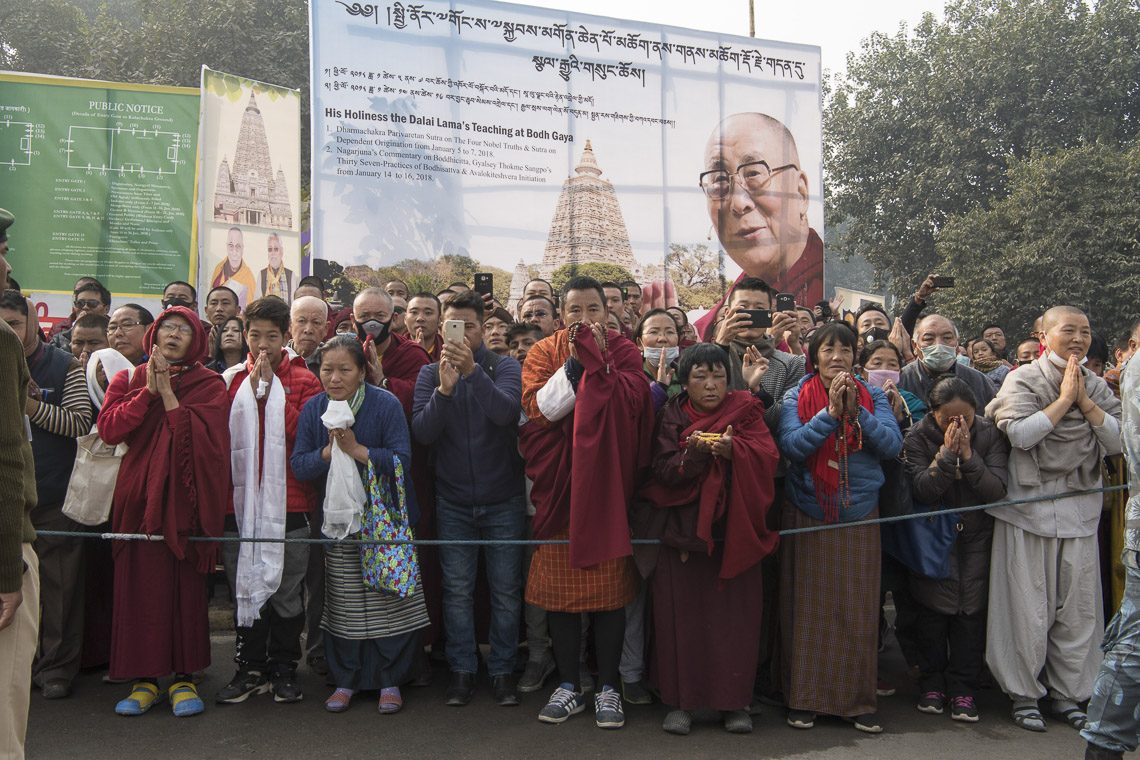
column 1045, row 610
column 353, row 442
column 267, row 394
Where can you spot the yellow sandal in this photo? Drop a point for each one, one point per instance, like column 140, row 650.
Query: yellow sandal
column 144, row 695
column 184, row 699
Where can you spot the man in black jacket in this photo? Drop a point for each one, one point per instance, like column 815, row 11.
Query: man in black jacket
column 936, row 349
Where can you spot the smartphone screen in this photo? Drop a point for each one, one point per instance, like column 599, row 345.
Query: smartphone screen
column 484, row 283
column 785, row 302
column 760, row 317
column 943, row 282
column 453, row 330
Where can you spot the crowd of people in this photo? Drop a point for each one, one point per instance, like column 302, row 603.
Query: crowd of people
column 582, row 419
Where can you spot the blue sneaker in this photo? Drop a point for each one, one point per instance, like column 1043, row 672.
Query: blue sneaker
column 563, row 703
column 184, row 699
column 608, row 711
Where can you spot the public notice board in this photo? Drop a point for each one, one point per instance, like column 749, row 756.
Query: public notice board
column 528, row 138
column 100, row 177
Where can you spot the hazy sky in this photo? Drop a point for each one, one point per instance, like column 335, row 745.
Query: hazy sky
column 837, row 26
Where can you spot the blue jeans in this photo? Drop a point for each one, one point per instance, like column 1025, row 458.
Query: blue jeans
column 504, row 521
column 1114, row 710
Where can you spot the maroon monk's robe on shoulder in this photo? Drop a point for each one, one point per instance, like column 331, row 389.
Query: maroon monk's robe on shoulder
column 585, row 466
column 707, row 581
column 174, row 482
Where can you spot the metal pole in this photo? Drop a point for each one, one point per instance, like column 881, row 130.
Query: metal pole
column 751, row 18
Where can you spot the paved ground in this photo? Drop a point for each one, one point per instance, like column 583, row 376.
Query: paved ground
column 85, row 726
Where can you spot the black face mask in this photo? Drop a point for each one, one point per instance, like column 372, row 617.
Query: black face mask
column 875, row 334
column 375, row 328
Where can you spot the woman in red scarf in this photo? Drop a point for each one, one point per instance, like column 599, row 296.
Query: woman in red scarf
column 714, row 464
column 835, row 431
column 173, row 482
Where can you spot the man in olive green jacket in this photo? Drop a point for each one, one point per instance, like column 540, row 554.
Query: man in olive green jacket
column 19, row 576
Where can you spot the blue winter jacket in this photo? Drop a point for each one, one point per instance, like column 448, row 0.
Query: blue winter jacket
column 798, row 441
column 473, row 432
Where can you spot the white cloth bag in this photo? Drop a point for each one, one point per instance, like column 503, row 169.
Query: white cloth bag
column 91, row 489
column 92, row 486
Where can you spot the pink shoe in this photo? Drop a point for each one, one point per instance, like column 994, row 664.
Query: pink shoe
column 390, row 700
column 339, row 700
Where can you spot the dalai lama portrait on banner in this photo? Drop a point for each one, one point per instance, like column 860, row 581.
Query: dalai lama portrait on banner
column 757, row 194
column 233, row 272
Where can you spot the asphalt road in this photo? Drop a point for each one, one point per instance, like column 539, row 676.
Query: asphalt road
column 85, row 726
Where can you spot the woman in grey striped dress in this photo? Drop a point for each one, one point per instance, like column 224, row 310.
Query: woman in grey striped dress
column 371, row 637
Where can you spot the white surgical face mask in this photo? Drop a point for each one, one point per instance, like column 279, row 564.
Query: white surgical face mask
column 1061, row 362
column 653, row 355
column 939, row 357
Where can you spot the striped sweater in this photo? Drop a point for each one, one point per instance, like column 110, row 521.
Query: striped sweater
column 71, row 415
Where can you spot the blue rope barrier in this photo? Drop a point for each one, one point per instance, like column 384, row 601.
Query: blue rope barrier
column 561, row 542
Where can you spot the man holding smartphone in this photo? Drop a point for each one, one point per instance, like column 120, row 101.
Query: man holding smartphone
column 466, row 409
column 773, row 370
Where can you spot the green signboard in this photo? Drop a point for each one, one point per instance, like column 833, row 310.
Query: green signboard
column 100, row 177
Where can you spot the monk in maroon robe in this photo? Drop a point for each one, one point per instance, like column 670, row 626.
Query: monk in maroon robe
column 174, row 482
column 587, row 441
column 714, row 464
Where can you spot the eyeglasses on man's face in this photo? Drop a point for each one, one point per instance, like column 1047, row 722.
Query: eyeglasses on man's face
column 88, row 303
column 717, row 184
column 125, row 325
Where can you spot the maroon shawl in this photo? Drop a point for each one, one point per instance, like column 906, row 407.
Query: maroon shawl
column 175, row 478
column 740, row 494
column 401, row 363
column 585, row 466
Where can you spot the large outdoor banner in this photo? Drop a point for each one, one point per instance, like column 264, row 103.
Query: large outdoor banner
column 530, row 139
column 250, row 192
column 100, row 177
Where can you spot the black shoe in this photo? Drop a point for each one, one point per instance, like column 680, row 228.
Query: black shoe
column 56, row 688
column 506, row 695
column 635, row 693
column 1093, row 752
column 284, row 686
column 319, row 665
column 423, row 671
column 461, row 690
column 245, row 684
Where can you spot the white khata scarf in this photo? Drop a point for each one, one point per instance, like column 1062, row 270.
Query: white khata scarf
column 259, row 505
column 113, row 363
column 344, row 490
